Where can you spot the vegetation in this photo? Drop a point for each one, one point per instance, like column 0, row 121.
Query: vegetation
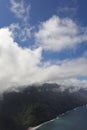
column 35, row 105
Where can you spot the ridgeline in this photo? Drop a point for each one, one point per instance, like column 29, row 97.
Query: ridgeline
column 36, row 104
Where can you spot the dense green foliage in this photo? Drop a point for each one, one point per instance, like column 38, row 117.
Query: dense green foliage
column 35, row 105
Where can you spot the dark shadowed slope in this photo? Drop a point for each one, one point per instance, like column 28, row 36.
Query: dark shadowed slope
column 34, row 105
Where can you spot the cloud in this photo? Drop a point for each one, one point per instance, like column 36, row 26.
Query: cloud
column 68, row 8
column 20, row 9
column 23, row 66
column 57, row 34
column 17, row 65
column 22, row 32
column 66, row 69
column 72, row 84
column 67, row 11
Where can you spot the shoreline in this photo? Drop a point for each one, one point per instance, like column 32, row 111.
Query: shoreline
column 34, row 128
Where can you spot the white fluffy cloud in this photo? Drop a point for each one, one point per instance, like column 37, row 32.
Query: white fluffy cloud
column 17, row 65
column 58, row 33
column 23, row 66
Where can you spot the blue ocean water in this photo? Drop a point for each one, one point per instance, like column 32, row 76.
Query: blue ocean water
column 72, row 120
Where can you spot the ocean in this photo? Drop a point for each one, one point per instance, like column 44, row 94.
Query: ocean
column 75, row 119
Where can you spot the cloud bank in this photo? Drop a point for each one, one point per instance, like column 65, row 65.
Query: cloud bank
column 17, row 64
column 23, row 66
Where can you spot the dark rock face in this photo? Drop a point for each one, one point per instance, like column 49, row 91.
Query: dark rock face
column 35, row 105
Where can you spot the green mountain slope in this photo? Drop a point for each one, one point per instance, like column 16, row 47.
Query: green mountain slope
column 36, row 104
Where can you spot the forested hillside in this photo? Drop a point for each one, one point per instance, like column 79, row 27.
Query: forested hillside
column 36, row 104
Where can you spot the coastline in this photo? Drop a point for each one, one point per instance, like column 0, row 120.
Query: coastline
column 34, row 128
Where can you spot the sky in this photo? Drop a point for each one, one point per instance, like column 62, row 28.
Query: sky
column 43, row 41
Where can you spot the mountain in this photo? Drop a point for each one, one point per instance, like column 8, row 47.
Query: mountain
column 34, row 105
